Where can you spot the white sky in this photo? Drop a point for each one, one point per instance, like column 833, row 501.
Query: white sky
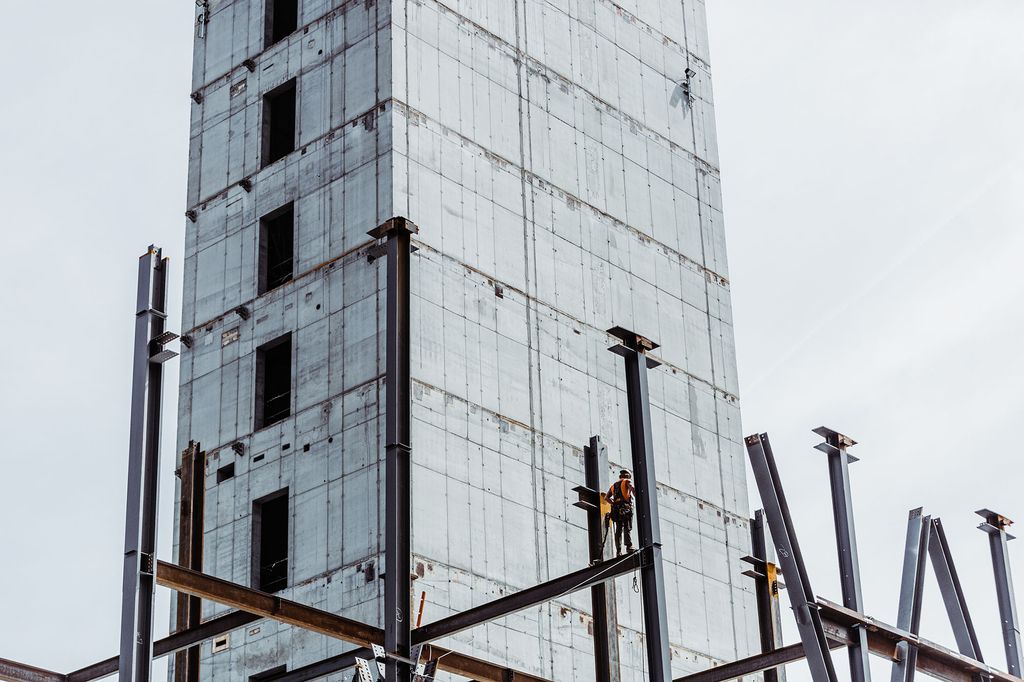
column 873, row 165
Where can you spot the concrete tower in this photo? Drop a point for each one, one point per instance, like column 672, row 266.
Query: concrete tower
column 559, row 158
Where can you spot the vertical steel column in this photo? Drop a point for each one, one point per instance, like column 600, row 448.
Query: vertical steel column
column 835, row 446
column 602, row 595
column 915, row 557
column 652, row 576
column 765, row 575
column 190, row 553
column 953, row 594
column 397, row 559
column 995, row 525
column 802, row 599
column 138, row 582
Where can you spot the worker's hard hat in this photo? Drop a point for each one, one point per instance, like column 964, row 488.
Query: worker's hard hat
column 624, row 474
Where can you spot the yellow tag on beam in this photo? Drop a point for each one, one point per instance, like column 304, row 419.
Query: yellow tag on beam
column 606, row 506
column 773, row 579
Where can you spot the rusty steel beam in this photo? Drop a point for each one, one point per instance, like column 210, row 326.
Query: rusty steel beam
column 266, row 605
column 12, row 671
column 330, row 624
column 192, row 474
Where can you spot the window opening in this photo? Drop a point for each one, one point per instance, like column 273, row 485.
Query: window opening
column 277, row 248
column 279, row 123
column 273, row 381
column 270, row 542
column 282, row 19
column 225, row 472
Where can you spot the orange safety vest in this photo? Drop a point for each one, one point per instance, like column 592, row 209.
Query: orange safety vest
column 624, row 493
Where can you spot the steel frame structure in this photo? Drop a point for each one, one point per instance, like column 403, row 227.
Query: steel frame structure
column 823, row 625
column 143, row 572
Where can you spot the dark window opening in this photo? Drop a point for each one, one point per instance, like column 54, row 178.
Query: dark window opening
column 277, row 248
column 281, row 20
column 268, row 675
column 279, row 123
column 225, row 472
column 270, row 542
column 273, row 381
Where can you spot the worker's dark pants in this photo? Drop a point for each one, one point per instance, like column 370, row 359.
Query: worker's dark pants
column 624, row 527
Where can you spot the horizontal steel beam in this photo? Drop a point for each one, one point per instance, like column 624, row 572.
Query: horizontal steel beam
column 266, row 605
column 12, row 671
column 531, row 596
column 309, row 618
column 932, row 659
column 753, row 664
column 837, row 621
column 172, row 643
column 325, row 667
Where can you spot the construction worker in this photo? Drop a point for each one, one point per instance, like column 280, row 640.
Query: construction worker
column 621, row 497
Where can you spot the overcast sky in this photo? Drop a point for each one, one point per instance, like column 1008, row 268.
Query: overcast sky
column 873, row 167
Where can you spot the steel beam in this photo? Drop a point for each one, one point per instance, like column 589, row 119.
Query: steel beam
column 533, row 596
column 266, row 605
column 835, row 446
column 325, row 667
column 884, row 640
column 192, row 479
column 12, row 671
column 172, row 643
column 398, row 444
column 633, row 350
column 330, row 624
column 995, row 525
column 915, row 556
column 838, row 623
column 952, row 593
column 602, row 595
column 768, row 662
column 765, row 575
column 798, row 583
column 143, row 469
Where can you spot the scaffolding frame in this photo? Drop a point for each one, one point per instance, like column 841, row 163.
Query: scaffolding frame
column 399, row 648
